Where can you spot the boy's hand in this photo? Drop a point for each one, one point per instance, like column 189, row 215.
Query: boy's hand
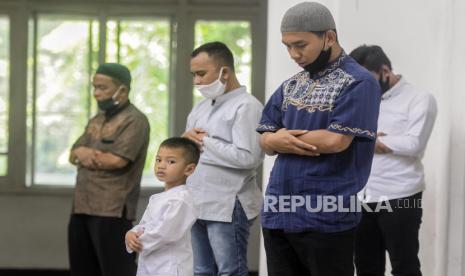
column 132, row 241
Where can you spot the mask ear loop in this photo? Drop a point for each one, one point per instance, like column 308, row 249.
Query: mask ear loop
column 380, row 73
column 221, row 73
column 116, row 94
column 324, row 42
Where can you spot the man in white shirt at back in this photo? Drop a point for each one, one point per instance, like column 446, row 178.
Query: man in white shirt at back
column 224, row 183
column 405, row 122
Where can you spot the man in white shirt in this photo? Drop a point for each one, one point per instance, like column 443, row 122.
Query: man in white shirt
column 405, row 122
column 224, row 183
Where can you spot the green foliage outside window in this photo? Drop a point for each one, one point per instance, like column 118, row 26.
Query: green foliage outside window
column 144, row 46
column 66, row 56
column 61, row 106
column 236, row 35
column 4, row 79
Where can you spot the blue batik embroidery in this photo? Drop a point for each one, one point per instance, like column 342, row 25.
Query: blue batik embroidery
column 305, row 93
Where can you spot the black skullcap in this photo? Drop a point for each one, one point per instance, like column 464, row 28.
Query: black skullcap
column 116, row 71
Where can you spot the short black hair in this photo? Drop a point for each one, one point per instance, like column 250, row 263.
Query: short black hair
column 218, row 51
column 191, row 150
column 371, row 57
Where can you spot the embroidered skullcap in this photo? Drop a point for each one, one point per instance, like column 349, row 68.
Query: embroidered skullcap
column 307, row 17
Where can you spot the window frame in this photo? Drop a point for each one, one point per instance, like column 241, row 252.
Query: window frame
column 102, row 44
column 30, row 166
column 4, row 178
column 182, row 13
column 257, row 55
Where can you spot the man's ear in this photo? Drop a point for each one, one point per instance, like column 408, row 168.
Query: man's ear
column 331, row 38
column 123, row 93
column 385, row 70
column 226, row 72
column 124, row 89
column 189, row 169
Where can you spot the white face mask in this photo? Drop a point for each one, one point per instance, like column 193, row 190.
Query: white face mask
column 214, row 89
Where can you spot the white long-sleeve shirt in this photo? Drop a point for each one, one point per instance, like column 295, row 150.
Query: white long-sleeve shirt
column 407, row 117
column 166, row 238
column 231, row 154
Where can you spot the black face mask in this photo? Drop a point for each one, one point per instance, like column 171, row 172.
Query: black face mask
column 109, row 104
column 384, row 84
column 320, row 62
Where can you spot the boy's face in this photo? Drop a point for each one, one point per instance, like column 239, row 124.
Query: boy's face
column 171, row 166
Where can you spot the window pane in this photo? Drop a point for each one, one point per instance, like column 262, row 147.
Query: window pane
column 4, row 91
column 3, row 165
column 237, row 36
column 59, row 107
column 144, row 46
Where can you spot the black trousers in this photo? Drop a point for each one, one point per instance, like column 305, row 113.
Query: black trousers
column 96, row 246
column 396, row 232
column 309, row 253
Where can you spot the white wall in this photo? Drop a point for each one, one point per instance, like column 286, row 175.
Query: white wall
column 426, row 44
column 34, row 230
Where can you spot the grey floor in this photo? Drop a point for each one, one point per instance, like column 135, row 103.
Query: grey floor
column 14, row 272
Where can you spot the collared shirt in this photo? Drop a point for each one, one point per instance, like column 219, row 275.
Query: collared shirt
column 166, row 238
column 124, row 133
column 231, row 154
column 342, row 98
column 407, row 117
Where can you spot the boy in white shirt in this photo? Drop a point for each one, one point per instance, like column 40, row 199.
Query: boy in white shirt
column 163, row 236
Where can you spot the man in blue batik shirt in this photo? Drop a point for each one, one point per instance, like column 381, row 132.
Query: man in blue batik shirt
column 322, row 125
